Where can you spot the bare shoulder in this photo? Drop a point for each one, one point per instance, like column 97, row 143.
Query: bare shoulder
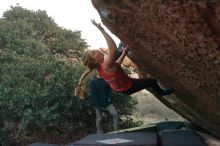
column 110, row 68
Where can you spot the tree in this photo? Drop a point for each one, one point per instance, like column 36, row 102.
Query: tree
column 39, row 66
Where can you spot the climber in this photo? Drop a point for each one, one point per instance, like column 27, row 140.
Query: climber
column 112, row 72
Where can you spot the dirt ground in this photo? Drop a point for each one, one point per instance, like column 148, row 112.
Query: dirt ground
column 150, row 110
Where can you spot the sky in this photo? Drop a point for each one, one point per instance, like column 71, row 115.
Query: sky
column 70, row 14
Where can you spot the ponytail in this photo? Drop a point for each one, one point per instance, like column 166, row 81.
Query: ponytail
column 79, row 90
column 88, row 61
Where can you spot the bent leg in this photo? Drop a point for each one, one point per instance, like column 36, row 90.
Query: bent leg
column 140, row 84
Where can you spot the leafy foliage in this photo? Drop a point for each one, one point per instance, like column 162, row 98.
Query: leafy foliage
column 39, row 66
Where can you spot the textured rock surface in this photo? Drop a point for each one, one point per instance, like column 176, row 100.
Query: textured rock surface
column 177, row 42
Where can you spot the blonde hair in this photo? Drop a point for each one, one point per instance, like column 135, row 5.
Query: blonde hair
column 88, row 61
column 79, row 90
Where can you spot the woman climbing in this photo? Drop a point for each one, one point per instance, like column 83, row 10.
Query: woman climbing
column 111, row 71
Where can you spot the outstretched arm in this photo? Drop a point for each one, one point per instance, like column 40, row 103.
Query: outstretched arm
column 110, row 42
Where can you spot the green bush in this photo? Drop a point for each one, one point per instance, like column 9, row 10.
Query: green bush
column 39, row 68
column 3, row 139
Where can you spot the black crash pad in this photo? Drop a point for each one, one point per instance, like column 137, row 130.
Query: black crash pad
column 136, row 139
column 42, row 144
column 180, row 137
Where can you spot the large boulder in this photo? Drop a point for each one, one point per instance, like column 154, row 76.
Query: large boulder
column 177, row 42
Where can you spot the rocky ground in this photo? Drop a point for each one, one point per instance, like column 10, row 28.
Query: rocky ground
column 151, row 110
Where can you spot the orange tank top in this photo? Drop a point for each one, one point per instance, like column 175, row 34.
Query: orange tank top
column 119, row 80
